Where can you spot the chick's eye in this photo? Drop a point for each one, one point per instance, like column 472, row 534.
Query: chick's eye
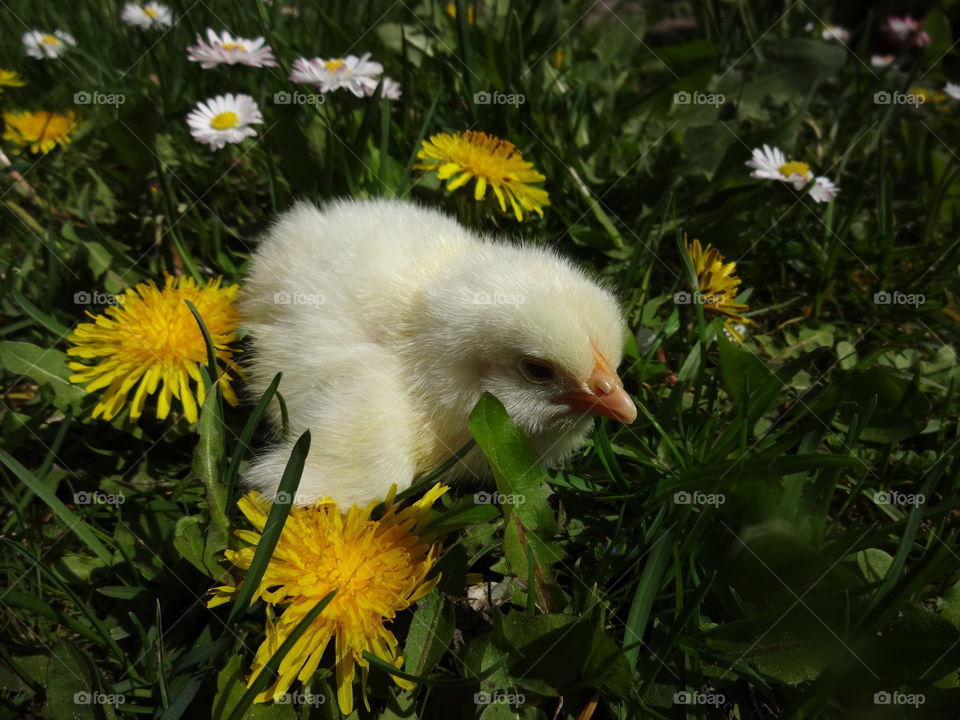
column 536, row 370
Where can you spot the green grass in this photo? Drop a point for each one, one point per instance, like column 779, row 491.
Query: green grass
column 790, row 590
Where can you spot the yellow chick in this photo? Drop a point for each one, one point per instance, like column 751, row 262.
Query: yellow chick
column 390, row 320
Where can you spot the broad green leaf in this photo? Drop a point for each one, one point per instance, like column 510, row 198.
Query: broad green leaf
column 430, row 633
column 874, row 564
column 561, row 650
column 208, row 464
column 741, row 371
column 189, row 542
column 74, row 688
column 529, row 520
column 46, row 366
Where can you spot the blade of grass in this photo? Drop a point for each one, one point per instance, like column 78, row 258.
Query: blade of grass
column 74, row 522
column 243, row 443
column 644, row 595
column 273, row 527
column 265, row 676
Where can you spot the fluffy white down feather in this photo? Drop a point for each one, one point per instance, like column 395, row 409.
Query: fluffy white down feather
column 390, row 320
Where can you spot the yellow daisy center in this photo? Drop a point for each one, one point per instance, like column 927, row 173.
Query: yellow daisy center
column 233, row 46
column 50, row 39
column 795, row 168
column 225, row 120
column 334, row 65
column 150, row 12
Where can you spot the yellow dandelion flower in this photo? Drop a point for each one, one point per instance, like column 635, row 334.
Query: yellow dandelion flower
column 150, row 337
column 378, row 568
column 10, row 78
column 489, row 160
column 926, row 96
column 718, row 286
column 40, row 131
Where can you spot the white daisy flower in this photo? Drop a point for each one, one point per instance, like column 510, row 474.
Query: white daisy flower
column 769, row 163
column 224, row 49
column 953, row 90
column 901, row 28
column 224, row 119
column 42, row 45
column 391, row 89
column 145, row 17
column 823, row 190
column 906, row 30
column 835, row 32
column 356, row 74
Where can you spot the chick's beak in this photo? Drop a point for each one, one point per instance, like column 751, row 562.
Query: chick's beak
column 603, row 395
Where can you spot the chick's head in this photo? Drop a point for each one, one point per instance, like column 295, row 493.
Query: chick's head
column 526, row 326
